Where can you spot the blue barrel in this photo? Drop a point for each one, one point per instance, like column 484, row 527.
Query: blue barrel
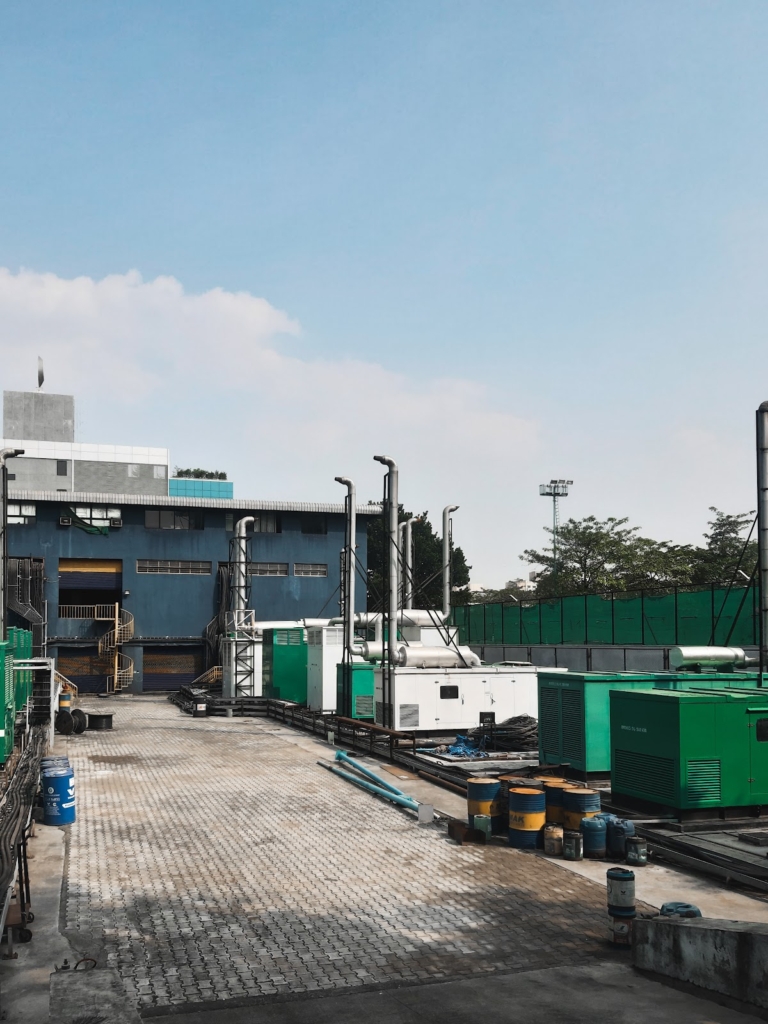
column 58, row 786
column 484, row 797
column 619, row 830
column 593, row 830
column 683, row 909
column 621, row 892
column 50, row 763
column 527, row 817
column 577, row 804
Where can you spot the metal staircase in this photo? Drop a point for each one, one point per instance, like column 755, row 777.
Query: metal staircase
column 110, row 643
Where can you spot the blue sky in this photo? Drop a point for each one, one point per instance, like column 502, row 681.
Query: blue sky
column 546, row 219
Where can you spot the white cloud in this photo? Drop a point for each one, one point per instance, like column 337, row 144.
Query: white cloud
column 217, row 378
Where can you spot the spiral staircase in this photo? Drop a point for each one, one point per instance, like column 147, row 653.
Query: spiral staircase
column 110, row 643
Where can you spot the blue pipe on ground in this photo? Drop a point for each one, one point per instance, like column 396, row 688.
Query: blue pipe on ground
column 398, row 798
column 341, row 756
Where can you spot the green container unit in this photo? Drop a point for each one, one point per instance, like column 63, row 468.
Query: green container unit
column 574, row 710
column 284, row 665
column 360, row 703
column 683, row 751
column 20, row 645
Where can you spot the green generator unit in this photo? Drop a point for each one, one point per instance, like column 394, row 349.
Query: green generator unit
column 8, row 714
column 359, row 702
column 693, row 750
column 284, row 664
column 574, row 710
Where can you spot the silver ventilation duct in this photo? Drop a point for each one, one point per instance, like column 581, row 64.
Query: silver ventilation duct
column 393, row 506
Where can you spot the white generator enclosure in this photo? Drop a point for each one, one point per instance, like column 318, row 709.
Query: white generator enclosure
column 451, row 699
column 325, row 649
column 241, row 663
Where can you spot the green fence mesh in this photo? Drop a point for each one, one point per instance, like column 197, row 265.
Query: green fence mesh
column 685, row 616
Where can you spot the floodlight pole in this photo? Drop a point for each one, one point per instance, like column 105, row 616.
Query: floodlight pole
column 555, row 490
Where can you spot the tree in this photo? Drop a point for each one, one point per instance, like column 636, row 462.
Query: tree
column 594, row 556
column 726, row 549
column 427, row 568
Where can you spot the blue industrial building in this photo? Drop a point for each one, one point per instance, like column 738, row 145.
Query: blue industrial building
column 80, row 562
column 160, row 559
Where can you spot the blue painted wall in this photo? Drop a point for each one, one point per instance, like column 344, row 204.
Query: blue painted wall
column 181, row 606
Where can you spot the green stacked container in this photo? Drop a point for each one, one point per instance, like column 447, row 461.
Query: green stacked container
column 284, row 665
column 697, row 749
column 574, row 709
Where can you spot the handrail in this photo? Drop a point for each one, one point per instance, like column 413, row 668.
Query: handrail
column 96, row 612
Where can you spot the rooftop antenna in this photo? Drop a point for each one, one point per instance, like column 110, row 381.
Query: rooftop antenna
column 40, row 373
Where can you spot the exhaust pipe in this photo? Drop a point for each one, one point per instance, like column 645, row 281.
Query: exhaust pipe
column 447, row 560
column 392, row 477
column 762, row 529
column 240, row 587
column 349, row 582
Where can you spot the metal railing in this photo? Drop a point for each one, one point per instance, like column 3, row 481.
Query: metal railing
column 95, row 612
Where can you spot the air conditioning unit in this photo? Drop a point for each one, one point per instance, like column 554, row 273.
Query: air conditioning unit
column 115, row 522
column 65, row 520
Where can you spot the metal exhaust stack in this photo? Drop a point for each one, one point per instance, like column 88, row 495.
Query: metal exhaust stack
column 447, row 560
column 394, row 611
column 5, row 453
column 349, row 582
column 762, row 528
column 408, row 563
column 240, row 587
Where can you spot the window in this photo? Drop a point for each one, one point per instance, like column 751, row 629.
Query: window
column 170, row 519
column 309, row 569
column 173, row 567
column 313, row 523
column 761, row 730
column 266, row 522
column 61, row 467
column 229, row 522
column 133, row 470
column 97, row 515
column 159, row 472
column 21, row 515
column 268, row 568
column 11, row 476
column 449, row 693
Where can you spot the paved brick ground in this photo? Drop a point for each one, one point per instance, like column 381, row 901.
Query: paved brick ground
column 214, row 859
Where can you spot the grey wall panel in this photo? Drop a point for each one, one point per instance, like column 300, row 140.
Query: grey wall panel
column 492, row 655
column 37, row 416
column 37, row 475
column 573, row 658
column 544, row 657
column 114, row 478
column 608, row 659
column 645, row 659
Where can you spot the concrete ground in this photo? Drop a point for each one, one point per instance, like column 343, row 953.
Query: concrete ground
column 608, row 993
column 214, row 859
column 214, row 863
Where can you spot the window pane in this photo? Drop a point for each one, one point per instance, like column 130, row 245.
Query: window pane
column 229, row 521
column 28, row 510
column 167, row 518
column 449, row 693
column 159, row 472
column 99, row 513
column 309, row 569
column 13, row 510
column 83, row 513
column 152, row 519
column 113, row 513
column 181, row 521
column 133, row 470
column 61, row 467
column 314, row 523
column 761, row 729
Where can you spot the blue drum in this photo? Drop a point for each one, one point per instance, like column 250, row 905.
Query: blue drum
column 58, row 785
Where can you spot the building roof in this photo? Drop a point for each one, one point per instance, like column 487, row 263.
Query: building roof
column 164, row 500
column 85, row 452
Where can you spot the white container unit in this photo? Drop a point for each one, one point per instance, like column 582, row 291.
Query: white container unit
column 325, row 649
column 448, row 700
column 241, row 664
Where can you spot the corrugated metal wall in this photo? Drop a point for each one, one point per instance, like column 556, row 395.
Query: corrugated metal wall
column 168, row 668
